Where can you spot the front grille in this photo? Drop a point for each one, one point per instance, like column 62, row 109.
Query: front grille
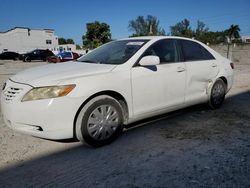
column 11, row 93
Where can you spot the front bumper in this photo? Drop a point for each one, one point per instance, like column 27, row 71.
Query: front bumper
column 47, row 118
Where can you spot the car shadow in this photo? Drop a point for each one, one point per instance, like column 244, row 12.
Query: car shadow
column 152, row 152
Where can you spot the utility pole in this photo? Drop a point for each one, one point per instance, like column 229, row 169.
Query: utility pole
column 228, row 46
column 150, row 30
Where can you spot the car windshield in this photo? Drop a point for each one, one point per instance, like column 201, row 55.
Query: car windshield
column 32, row 52
column 117, row 52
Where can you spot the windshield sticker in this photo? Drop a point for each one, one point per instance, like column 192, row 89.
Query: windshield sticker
column 135, row 43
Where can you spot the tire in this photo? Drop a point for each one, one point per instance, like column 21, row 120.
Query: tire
column 27, row 59
column 102, row 121
column 217, row 94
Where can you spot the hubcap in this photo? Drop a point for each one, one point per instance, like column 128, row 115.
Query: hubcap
column 102, row 122
column 218, row 93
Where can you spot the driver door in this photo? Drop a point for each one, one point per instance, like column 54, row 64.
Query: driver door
column 161, row 86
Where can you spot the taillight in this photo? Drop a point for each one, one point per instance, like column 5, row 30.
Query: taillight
column 232, row 65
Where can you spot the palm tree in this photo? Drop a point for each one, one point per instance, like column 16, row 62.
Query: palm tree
column 233, row 33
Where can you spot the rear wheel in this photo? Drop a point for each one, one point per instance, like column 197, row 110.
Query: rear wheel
column 102, row 122
column 218, row 93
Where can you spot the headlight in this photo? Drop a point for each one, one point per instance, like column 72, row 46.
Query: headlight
column 47, row 92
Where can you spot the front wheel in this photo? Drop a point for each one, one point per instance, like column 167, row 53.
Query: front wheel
column 102, row 122
column 218, row 93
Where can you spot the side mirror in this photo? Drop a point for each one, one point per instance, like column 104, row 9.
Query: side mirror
column 149, row 60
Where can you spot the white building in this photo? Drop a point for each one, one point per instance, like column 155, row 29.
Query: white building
column 246, row 39
column 24, row 39
column 66, row 47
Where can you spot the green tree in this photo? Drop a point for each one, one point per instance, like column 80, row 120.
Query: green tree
column 201, row 32
column 145, row 26
column 233, row 32
column 62, row 41
column 214, row 37
column 78, row 47
column 97, row 34
column 182, row 29
column 70, row 41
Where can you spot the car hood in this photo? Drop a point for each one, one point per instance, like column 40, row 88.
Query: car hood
column 55, row 73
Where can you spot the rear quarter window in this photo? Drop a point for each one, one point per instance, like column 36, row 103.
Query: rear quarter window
column 193, row 51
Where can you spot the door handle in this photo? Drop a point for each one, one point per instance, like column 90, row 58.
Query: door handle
column 180, row 69
column 214, row 65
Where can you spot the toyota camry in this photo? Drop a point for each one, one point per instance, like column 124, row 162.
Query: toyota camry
column 121, row 82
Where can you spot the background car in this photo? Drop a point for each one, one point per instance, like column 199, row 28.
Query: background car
column 63, row 57
column 9, row 55
column 37, row 54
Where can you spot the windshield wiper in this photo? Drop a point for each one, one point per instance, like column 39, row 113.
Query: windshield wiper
column 90, row 61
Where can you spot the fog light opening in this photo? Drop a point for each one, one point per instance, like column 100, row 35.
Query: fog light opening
column 37, row 128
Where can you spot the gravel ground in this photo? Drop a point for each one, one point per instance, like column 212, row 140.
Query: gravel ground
column 193, row 147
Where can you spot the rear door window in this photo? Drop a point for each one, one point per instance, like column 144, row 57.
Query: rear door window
column 193, row 51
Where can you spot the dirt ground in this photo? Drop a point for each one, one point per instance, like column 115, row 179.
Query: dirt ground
column 193, row 147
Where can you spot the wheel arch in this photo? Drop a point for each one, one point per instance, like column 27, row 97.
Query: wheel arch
column 211, row 83
column 223, row 79
column 212, row 104
column 117, row 96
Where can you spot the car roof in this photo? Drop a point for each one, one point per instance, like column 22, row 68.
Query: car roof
column 9, row 52
column 156, row 38
column 42, row 49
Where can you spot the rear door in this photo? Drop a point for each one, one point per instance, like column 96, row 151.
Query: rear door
column 201, row 69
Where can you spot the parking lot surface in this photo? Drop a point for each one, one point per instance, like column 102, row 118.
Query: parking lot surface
column 193, row 147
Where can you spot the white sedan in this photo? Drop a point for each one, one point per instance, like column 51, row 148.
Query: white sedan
column 120, row 82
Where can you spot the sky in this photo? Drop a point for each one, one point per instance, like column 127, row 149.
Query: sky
column 69, row 18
